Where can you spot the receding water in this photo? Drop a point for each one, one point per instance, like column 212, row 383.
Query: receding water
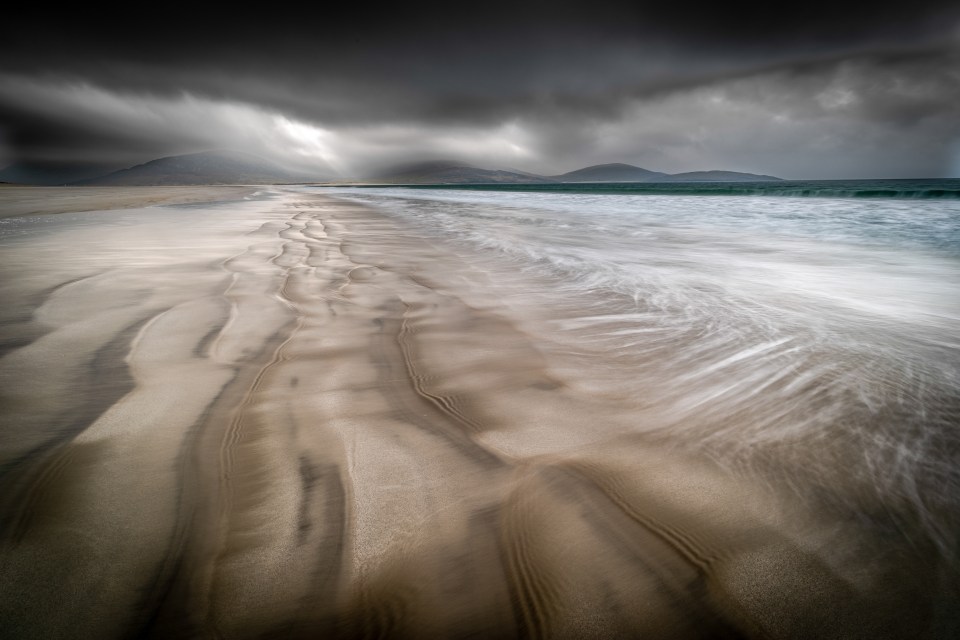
column 813, row 337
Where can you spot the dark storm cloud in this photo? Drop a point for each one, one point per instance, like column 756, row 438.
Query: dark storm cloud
column 870, row 116
column 36, row 121
column 545, row 86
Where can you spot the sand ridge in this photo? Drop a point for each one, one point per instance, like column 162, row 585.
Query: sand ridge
column 314, row 435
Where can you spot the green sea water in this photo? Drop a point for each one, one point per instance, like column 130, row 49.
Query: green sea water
column 948, row 188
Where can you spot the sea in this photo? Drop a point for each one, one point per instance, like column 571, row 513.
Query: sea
column 807, row 332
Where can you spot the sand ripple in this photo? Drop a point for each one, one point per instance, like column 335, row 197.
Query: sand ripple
column 301, row 425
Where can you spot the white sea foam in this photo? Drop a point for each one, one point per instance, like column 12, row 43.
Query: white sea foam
column 887, row 259
column 747, row 324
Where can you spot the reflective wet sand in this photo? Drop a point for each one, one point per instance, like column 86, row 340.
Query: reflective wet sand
column 291, row 418
column 19, row 200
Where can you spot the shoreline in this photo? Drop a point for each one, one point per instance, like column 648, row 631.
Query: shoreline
column 333, row 427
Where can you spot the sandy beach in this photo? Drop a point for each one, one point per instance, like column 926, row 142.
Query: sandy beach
column 19, row 200
column 290, row 417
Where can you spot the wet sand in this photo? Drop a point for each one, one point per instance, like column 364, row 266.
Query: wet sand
column 19, row 200
column 291, row 418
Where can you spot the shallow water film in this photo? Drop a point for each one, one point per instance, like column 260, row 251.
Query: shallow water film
column 377, row 413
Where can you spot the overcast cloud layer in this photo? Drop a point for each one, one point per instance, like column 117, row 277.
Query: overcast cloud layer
column 819, row 93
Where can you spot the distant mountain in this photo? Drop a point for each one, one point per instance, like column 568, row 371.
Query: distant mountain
column 618, row 172
column 615, row 172
column 233, row 167
column 209, row 167
column 450, row 172
column 719, row 176
column 53, row 173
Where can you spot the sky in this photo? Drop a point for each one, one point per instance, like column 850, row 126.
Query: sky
column 801, row 90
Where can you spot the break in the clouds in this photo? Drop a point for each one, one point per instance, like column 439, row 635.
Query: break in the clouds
column 820, row 95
